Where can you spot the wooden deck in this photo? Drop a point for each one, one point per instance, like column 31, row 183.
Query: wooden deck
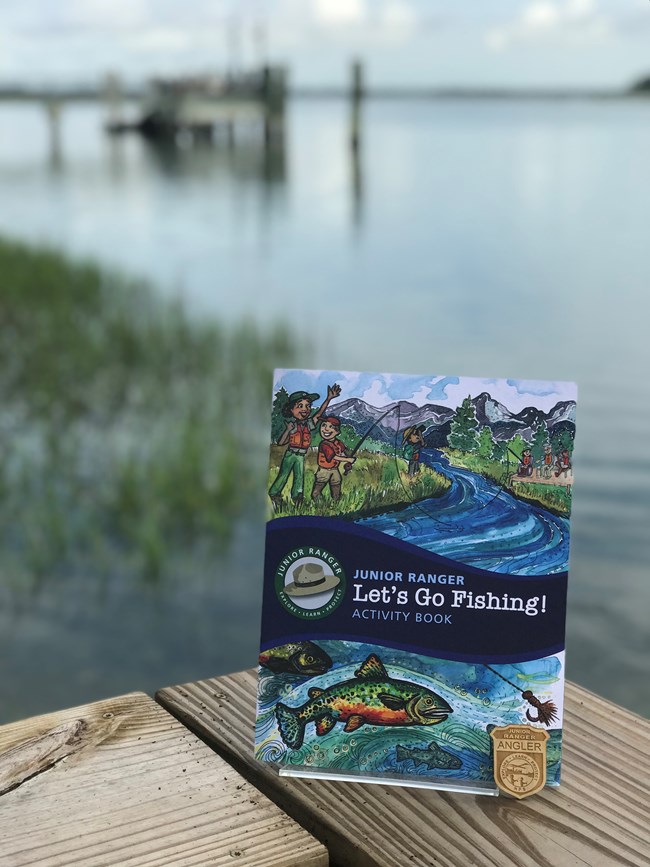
column 122, row 783
column 599, row 816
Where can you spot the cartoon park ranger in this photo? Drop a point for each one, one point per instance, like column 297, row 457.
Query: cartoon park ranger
column 297, row 437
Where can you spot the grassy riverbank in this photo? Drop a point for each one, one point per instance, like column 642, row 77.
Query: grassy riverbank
column 127, row 427
column 554, row 498
column 377, row 483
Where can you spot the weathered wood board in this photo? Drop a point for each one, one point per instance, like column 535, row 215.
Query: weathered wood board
column 600, row 815
column 121, row 782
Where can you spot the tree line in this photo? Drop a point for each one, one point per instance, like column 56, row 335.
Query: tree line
column 467, row 436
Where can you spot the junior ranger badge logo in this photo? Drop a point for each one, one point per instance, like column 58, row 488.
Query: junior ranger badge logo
column 519, row 759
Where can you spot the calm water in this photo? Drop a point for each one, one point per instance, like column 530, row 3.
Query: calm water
column 476, row 238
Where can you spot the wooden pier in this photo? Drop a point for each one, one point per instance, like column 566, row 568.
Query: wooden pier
column 197, row 105
column 128, row 782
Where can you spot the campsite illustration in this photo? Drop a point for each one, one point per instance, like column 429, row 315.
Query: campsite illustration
column 476, row 470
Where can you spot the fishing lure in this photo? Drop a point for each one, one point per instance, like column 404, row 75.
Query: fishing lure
column 546, row 710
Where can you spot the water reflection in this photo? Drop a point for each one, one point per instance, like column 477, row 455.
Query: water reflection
column 462, row 237
column 207, row 159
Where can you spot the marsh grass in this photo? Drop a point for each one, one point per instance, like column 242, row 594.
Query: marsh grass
column 377, row 483
column 126, row 427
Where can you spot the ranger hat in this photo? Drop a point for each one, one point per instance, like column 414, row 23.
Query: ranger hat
column 310, row 578
column 295, row 397
column 413, row 429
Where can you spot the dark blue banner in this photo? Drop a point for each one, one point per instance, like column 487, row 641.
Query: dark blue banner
column 327, row 578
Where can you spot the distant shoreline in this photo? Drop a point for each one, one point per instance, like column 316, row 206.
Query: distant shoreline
column 470, row 93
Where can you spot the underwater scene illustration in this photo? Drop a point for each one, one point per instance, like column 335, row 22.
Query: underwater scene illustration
column 373, row 709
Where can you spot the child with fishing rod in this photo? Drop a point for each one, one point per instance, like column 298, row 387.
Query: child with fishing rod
column 332, row 453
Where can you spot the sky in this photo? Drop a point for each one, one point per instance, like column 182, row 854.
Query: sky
column 601, row 43
column 381, row 389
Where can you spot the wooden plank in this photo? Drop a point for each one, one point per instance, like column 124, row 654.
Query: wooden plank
column 599, row 815
column 121, row 782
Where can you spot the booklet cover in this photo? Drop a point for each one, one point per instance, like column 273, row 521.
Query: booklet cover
column 415, row 576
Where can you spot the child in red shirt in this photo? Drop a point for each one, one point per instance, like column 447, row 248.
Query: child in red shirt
column 331, row 454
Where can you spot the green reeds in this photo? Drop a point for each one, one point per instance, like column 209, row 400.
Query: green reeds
column 128, row 427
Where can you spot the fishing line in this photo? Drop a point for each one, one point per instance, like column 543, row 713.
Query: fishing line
column 447, row 528
column 502, row 486
column 546, row 710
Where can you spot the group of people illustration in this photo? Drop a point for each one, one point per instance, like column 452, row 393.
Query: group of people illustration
column 561, row 462
column 333, row 455
column 297, row 435
column 335, row 459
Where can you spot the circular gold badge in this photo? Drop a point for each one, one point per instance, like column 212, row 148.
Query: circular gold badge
column 520, row 774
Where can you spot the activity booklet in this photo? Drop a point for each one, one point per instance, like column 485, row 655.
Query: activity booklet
column 415, row 579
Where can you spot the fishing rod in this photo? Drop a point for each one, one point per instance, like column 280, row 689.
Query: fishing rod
column 447, row 528
column 502, row 486
column 348, row 467
column 546, row 710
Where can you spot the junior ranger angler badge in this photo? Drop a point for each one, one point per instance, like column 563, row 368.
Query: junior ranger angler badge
column 519, row 759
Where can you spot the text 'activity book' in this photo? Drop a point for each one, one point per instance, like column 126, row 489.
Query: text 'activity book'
column 415, row 579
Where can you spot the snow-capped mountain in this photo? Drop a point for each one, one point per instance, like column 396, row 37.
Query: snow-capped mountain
column 437, row 419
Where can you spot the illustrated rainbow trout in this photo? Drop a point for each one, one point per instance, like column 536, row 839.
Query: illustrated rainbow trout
column 370, row 698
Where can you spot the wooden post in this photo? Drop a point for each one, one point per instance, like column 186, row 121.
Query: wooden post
column 53, row 113
column 356, row 95
column 114, row 100
column 274, row 92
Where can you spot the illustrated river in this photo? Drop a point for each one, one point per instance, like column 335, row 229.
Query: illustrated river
column 478, row 523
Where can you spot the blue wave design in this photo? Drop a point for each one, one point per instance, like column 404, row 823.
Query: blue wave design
column 478, row 523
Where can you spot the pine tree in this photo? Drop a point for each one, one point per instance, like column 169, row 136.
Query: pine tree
column 500, row 451
column 486, row 443
column 463, row 428
column 278, row 421
column 517, row 445
column 562, row 440
column 540, row 438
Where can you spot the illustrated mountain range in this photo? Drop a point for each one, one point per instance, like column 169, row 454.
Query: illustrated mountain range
column 437, row 419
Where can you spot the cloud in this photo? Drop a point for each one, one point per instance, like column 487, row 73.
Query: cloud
column 398, row 18
column 161, row 40
column 543, row 20
column 381, row 389
column 339, row 13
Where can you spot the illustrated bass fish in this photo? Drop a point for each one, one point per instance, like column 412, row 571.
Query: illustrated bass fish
column 372, row 697
column 433, row 757
column 302, row 657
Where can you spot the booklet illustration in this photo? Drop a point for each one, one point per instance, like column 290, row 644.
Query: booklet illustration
column 415, row 576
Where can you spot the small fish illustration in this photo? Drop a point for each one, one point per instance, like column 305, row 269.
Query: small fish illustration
column 302, row 657
column 372, row 697
column 433, row 757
